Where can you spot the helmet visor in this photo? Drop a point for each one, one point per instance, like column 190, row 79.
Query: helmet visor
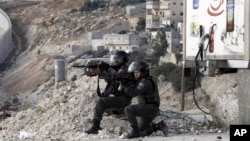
column 115, row 60
column 133, row 67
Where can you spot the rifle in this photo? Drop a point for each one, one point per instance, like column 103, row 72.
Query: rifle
column 124, row 77
column 103, row 66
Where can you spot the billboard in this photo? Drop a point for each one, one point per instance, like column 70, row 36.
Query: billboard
column 218, row 25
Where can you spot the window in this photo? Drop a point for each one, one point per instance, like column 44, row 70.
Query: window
column 181, row 14
column 149, row 22
column 125, row 38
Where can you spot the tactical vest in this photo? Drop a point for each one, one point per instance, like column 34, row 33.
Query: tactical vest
column 151, row 98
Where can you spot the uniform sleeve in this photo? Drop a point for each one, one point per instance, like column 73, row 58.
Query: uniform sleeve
column 140, row 88
column 114, row 76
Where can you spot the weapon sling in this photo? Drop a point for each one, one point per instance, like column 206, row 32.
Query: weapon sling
column 98, row 88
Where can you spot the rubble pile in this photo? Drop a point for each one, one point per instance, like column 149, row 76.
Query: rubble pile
column 65, row 109
column 62, row 112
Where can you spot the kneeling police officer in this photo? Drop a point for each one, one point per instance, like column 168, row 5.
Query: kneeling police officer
column 147, row 109
column 120, row 100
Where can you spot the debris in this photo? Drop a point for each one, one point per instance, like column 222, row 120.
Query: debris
column 26, row 135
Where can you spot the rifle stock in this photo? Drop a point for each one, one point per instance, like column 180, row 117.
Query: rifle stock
column 101, row 65
column 80, row 66
column 91, row 65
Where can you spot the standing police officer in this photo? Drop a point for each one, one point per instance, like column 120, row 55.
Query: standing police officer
column 118, row 60
column 147, row 109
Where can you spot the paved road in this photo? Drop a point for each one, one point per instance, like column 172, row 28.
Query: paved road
column 180, row 137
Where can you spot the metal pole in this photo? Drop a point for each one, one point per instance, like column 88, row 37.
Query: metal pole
column 183, row 57
column 246, row 30
column 183, row 88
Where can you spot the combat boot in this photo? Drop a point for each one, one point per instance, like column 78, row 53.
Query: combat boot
column 94, row 128
column 162, row 126
column 134, row 133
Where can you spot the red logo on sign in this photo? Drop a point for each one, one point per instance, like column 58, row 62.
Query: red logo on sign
column 215, row 8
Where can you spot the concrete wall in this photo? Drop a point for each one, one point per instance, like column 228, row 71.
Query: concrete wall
column 244, row 96
column 79, row 49
column 224, row 94
column 114, row 29
column 97, row 43
column 229, row 97
column 6, row 45
column 135, row 9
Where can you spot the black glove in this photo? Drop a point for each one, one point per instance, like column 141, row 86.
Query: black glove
column 104, row 66
column 103, row 94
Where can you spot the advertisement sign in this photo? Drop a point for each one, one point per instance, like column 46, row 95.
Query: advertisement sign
column 218, row 25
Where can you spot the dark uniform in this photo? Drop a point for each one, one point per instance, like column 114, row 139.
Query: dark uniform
column 147, row 109
column 120, row 99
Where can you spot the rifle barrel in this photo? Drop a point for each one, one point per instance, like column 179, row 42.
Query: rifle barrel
column 81, row 66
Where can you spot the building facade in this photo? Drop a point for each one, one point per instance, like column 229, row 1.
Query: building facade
column 157, row 14
column 176, row 10
column 127, row 42
column 163, row 13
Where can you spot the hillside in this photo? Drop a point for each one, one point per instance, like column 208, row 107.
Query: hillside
column 48, row 30
column 45, row 31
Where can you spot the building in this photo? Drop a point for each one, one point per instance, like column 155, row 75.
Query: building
column 163, row 13
column 167, row 14
column 176, row 10
column 96, row 37
column 134, row 13
column 157, row 13
column 127, row 42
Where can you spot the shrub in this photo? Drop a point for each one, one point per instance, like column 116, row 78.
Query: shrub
column 92, row 5
column 175, row 78
column 165, row 69
column 136, row 56
column 141, row 24
column 130, row 2
column 173, row 74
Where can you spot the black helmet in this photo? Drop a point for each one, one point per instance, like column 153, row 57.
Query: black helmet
column 139, row 66
column 119, row 57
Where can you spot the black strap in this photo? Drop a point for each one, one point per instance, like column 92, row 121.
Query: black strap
column 98, row 88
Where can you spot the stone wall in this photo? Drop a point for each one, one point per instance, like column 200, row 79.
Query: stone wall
column 244, row 96
column 229, row 97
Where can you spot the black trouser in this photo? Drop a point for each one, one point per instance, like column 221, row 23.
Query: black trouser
column 104, row 103
column 146, row 113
